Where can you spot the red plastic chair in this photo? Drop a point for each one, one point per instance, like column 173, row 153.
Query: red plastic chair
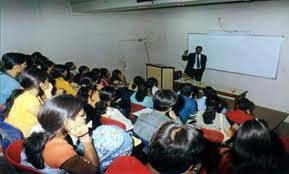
column 136, row 107
column 224, row 164
column 109, row 121
column 285, row 143
column 213, row 135
column 13, row 156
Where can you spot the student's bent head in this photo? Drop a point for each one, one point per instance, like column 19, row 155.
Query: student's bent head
column 187, row 90
column 175, row 148
column 152, row 82
column 14, row 61
column 255, row 147
column 245, row 105
column 164, row 100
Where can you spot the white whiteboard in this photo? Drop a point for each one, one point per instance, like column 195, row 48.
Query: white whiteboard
column 243, row 54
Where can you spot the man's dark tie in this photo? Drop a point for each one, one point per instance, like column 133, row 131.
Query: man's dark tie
column 198, row 61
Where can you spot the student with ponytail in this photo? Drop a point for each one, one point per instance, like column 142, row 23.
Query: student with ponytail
column 142, row 96
column 24, row 104
column 90, row 96
column 138, row 80
column 48, row 151
column 58, row 74
column 213, row 118
column 104, row 107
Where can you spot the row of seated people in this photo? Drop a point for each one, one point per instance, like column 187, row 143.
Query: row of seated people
column 49, row 122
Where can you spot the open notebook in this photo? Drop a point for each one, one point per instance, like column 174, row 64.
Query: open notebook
column 143, row 111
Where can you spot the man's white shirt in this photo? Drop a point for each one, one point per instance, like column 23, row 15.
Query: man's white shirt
column 198, row 56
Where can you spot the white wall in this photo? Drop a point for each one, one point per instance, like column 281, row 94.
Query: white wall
column 50, row 28
column 264, row 18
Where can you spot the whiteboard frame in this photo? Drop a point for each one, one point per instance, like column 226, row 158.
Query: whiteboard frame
column 278, row 63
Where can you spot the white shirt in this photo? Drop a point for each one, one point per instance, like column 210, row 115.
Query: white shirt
column 115, row 114
column 220, row 123
column 198, row 56
column 154, row 90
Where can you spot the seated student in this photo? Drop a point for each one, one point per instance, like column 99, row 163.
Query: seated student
column 96, row 71
column 213, row 118
column 14, row 64
column 208, row 91
column 147, row 124
column 81, row 71
column 47, row 67
column 58, row 74
column 110, row 142
column 70, row 66
column 90, row 96
column 118, row 79
column 257, row 150
column 190, row 105
column 136, row 82
column 242, row 113
column 153, row 83
column 48, row 151
column 36, row 60
column 142, row 96
column 201, row 101
column 105, row 109
column 24, row 104
column 174, row 149
column 105, row 77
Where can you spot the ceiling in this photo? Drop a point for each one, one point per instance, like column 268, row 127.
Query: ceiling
column 99, row 6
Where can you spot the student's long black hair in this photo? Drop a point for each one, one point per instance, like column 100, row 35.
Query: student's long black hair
column 29, row 79
column 138, row 80
column 58, row 71
column 175, row 147
column 86, row 86
column 256, row 149
column 142, row 92
column 214, row 105
column 115, row 75
column 106, row 96
column 12, row 59
column 51, row 117
column 104, row 73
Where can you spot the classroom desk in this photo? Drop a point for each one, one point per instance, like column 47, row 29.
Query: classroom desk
column 221, row 90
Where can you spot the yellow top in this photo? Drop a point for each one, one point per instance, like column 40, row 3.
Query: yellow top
column 21, row 115
column 60, row 83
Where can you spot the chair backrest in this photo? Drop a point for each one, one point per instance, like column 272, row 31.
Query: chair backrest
column 285, row 143
column 136, row 107
column 109, row 121
column 13, row 156
column 9, row 134
column 213, row 135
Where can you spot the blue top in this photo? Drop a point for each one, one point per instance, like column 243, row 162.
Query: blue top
column 190, row 107
column 147, row 101
column 7, row 85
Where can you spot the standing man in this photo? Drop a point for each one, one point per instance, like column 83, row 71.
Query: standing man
column 196, row 63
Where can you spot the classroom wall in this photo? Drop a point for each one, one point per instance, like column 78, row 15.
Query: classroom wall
column 263, row 18
column 95, row 40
